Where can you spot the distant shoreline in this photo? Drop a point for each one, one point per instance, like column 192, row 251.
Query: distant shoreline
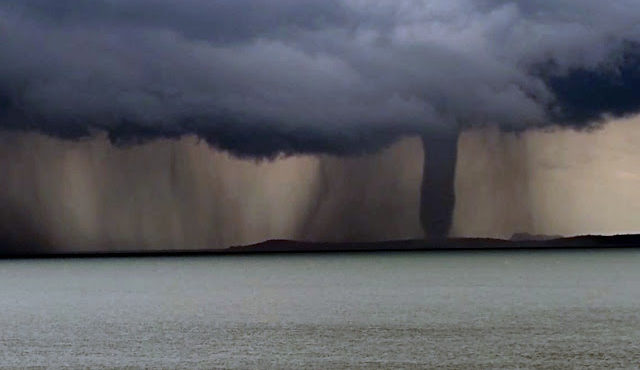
column 292, row 247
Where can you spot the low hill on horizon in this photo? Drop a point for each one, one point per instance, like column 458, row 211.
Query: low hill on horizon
column 292, row 246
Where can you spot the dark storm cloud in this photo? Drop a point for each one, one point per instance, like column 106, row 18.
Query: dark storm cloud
column 214, row 21
column 583, row 95
column 259, row 77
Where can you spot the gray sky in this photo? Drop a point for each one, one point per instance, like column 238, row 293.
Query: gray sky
column 260, row 77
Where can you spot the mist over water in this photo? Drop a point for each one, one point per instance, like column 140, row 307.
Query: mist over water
column 495, row 175
column 173, row 194
column 554, row 182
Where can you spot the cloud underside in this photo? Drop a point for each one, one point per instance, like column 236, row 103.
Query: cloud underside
column 263, row 77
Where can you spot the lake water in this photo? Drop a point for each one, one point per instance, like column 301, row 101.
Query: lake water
column 370, row 310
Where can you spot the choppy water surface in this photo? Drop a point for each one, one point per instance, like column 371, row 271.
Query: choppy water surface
column 370, row 310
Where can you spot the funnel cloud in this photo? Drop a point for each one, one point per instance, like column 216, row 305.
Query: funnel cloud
column 438, row 190
column 265, row 78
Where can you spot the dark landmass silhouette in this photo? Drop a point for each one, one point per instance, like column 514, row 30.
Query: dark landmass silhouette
column 528, row 237
column 291, row 246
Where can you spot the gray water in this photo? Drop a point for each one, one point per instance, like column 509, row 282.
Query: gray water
column 372, row 310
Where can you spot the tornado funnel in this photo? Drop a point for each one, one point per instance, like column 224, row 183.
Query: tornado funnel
column 438, row 176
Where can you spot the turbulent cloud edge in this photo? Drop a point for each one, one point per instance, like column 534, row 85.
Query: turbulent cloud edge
column 260, row 77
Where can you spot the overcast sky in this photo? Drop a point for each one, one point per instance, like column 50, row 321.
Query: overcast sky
column 260, row 77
